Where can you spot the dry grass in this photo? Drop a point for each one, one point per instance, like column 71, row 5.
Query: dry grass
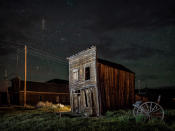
column 48, row 106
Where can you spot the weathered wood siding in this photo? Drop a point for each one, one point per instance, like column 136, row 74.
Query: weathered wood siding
column 83, row 93
column 116, row 87
column 109, row 87
column 37, row 91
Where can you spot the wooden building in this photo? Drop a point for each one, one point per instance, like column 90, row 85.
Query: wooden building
column 97, row 85
column 4, row 95
column 55, row 91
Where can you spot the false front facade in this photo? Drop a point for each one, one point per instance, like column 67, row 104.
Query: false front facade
column 97, row 85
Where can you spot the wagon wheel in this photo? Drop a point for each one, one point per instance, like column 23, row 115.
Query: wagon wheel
column 134, row 111
column 136, row 106
column 151, row 110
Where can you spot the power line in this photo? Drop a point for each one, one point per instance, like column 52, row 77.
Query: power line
column 34, row 53
column 50, row 72
column 37, row 51
column 47, row 54
column 9, row 41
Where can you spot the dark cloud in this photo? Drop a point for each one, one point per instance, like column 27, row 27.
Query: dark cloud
column 12, row 35
column 134, row 14
column 136, row 52
column 124, row 31
column 13, row 24
column 105, row 45
column 5, row 51
column 144, row 77
column 132, row 52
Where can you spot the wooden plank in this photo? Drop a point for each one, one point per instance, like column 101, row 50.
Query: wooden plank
column 116, row 87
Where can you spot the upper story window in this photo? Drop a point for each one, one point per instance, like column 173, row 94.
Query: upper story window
column 75, row 74
column 87, row 73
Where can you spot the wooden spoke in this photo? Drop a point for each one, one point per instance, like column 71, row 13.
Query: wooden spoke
column 147, row 107
column 154, row 108
column 150, row 107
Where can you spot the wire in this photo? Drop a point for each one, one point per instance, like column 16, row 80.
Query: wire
column 44, row 52
column 37, row 51
column 9, row 41
column 34, row 53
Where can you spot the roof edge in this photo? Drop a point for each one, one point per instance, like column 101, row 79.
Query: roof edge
column 115, row 65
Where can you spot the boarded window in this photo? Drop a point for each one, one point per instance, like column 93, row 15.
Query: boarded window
column 87, row 73
column 75, row 74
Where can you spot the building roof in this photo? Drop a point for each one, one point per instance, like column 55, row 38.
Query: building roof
column 58, row 81
column 55, row 85
column 45, row 87
column 115, row 65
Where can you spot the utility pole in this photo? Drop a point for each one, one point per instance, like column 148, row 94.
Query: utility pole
column 25, row 75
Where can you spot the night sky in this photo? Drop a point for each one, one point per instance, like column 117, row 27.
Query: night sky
column 139, row 34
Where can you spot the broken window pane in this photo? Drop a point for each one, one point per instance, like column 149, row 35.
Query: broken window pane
column 87, row 73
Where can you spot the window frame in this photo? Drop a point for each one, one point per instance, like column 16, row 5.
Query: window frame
column 88, row 66
column 75, row 71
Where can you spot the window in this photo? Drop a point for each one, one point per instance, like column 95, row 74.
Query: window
column 77, row 92
column 75, row 74
column 87, row 73
column 40, row 98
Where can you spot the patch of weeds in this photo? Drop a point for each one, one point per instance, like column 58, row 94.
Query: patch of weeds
column 50, row 120
column 140, row 118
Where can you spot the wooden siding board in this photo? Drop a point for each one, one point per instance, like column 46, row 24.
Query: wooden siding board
column 80, row 61
column 116, row 87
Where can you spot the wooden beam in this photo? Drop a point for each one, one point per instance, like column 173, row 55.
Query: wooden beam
column 36, row 92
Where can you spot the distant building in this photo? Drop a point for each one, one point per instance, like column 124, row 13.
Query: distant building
column 98, row 85
column 4, row 95
column 4, row 86
column 55, row 91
